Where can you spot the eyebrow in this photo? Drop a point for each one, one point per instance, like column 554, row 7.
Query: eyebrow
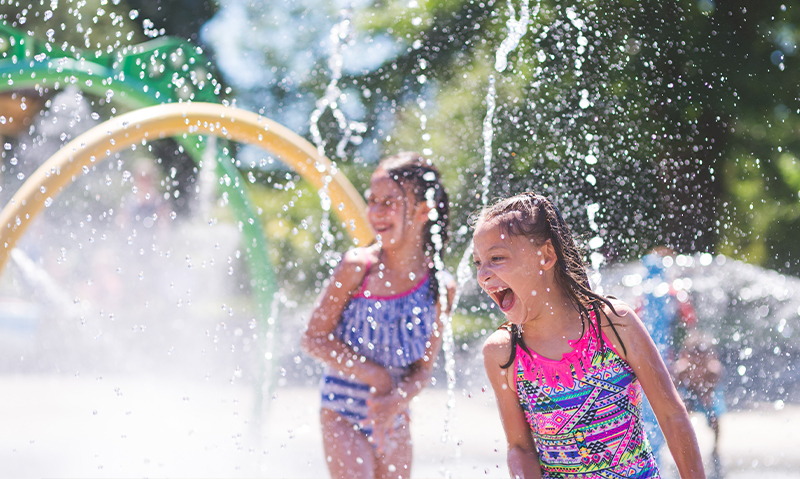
column 491, row 249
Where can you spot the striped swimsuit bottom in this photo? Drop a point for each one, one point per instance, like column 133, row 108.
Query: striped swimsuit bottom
column 392, row 331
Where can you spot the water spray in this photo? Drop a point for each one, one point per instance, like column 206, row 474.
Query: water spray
column 341, row 35
column 516, row 30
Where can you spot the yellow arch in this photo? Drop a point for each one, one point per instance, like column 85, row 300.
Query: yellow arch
column 163, row 121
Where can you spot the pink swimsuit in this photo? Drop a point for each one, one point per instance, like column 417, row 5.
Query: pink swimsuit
column 585, row 412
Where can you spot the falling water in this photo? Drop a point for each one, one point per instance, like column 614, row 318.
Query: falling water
column 516, row 30
column 488, row 134
column 42, row 281
column 341, row 35
column 267, row 381
column 207, row 179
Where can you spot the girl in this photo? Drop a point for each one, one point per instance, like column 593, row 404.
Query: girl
column 376, row 325
column 569, row 366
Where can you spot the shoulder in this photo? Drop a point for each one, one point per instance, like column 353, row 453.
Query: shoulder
column 623, row 327
column 497, row 347
column 622, row 314
column 358, row 260
column 353, row 267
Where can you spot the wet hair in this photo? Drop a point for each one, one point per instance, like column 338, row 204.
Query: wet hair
column 537, row 218
column 417, row 174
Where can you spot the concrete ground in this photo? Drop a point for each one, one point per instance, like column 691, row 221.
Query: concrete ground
column 65, row 426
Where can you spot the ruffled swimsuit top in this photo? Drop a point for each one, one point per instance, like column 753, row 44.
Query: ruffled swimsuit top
column 585, row 412
column 392, row 331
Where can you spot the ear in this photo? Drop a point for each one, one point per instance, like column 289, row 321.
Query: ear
column 548, row 257
column 421, row 211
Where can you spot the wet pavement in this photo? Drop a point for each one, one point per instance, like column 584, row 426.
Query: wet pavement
column 122, row 426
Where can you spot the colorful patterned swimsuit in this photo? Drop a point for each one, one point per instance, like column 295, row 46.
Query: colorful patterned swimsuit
column 392, row 331
column 585, row 412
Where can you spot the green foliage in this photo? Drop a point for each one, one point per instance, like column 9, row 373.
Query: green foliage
column 289, row 211
column 690, row 135
column 94, row 26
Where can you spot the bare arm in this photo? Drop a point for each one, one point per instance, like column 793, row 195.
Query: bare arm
column 318, row 339
column 523, row 460
column 657, row 385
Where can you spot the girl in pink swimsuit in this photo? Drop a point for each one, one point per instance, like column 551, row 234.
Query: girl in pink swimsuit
column 569, row 366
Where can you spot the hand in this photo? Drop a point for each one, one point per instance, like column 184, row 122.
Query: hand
column 382, row 416
column 378, row 379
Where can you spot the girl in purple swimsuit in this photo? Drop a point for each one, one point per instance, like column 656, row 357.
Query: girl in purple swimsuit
column 569, row 366
column 376, row 324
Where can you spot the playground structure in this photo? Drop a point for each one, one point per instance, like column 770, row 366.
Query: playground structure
column 170, row 88
column 164, row 70
column 163, row 121
column 159, row 78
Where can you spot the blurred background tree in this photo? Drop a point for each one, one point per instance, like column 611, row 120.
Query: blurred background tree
column 651, row 123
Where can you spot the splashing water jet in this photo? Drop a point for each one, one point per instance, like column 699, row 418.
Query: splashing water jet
column 516, row 30
column 341, row 35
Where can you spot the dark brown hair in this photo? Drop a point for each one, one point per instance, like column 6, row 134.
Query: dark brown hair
column 411, row 171
column 536, row 217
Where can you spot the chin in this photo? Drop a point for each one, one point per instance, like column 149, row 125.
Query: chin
column 514, row 320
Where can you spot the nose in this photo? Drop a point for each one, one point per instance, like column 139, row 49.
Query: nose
column 483, row 274
column 374, row 210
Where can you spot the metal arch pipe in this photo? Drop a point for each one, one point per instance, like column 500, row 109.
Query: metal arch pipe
column 167, row 120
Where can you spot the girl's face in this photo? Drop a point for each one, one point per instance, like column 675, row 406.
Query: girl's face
column 513, row 270
column 393, row 212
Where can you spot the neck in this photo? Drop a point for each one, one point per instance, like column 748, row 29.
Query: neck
column 406, row 257
column 554, row 312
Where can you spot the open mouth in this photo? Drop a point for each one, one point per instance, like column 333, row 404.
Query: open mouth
column 505, row 298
